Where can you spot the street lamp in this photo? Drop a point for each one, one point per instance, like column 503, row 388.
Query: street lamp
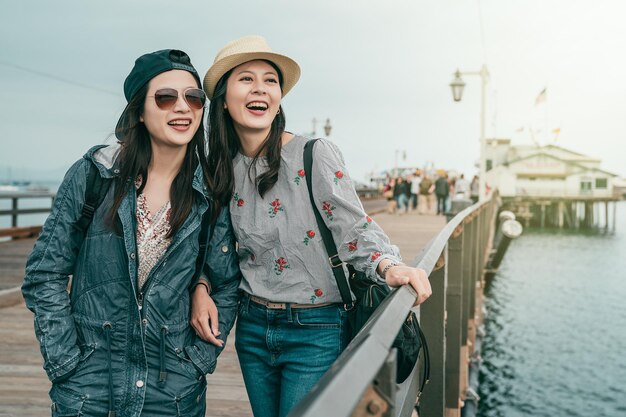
column 457, row 85
column 327, row 127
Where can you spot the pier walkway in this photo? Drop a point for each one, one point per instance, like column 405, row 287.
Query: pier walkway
column 23, row 383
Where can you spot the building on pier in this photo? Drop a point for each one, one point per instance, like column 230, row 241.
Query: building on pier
column 550, row 185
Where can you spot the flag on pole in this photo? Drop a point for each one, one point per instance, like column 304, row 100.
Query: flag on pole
column 541, row 98
column 557, row 130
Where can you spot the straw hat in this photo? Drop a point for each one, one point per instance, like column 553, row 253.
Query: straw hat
column 249, row 48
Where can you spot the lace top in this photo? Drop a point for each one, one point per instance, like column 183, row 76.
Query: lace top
column 151, row 232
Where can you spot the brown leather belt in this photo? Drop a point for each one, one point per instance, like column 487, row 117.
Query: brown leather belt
column 283, row 306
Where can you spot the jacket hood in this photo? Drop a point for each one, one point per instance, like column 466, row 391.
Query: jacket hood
column 104, row 157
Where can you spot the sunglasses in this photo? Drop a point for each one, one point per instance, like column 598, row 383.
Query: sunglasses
column 166, row 98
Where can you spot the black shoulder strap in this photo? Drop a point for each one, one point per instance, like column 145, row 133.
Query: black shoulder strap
column 206, row 233
column 331, row 249
column 95, row 191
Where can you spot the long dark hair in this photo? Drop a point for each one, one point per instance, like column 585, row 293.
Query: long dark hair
column 224, row 144
column 134, row 158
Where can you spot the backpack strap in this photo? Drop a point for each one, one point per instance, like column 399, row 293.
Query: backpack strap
column 331, row 249
column 95, row 191
column 206, row 233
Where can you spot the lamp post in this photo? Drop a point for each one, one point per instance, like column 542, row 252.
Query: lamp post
column 457, row 85
column 395, row 164
column 327, row 127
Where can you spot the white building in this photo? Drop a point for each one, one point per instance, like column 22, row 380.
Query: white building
column 544, row 171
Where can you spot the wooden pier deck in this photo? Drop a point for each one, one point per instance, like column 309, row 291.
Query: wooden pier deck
column 23, row 383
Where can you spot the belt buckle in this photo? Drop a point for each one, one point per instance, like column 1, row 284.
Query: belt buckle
column 333, row 259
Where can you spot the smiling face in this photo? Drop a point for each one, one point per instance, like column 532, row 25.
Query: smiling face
column 253, row 97
column 176, row 126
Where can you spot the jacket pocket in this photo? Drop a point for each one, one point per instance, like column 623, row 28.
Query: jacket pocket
column 193, row 403
column 187, row 365
column 65, row 402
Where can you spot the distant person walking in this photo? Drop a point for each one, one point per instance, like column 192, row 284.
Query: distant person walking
column 462, row 187
column 442, row 190
column 474, row 189
column 401, row 192
column 415, row 190
column 425, row 202
column 388, row 194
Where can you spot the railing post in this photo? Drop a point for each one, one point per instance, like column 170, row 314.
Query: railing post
column 433, row 322
column 475, row 239
column 14, row 214
column 468, row 262
column 455, row 324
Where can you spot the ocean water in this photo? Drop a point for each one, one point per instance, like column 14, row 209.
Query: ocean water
column 555, row 324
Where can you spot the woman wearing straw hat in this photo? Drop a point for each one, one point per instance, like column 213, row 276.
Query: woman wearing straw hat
column 121, row 343
column 291, row 321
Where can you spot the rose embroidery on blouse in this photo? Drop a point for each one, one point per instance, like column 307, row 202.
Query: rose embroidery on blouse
column 375, row 256
column 310, row 234
column 368, row 221
column 338, row 176
column 238, row 200
column 275, row 207
column 328, row 208
column 316, row 294
column 352, row 246
column 299, row 177
column 280, row 265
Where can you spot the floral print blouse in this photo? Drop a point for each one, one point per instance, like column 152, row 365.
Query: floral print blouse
column 282, row 256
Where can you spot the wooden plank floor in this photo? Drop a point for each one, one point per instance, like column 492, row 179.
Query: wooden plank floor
column 13, row 255
column 23, row 383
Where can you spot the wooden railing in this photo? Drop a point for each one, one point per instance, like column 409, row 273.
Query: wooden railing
column 15, row 211
column 362, row 380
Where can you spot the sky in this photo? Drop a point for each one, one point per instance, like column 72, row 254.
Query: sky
column 379, row 70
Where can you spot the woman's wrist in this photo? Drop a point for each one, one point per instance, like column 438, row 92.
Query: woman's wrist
column 203, row 283
column 385, row 265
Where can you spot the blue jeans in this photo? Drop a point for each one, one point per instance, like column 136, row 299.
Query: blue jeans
column 283, row 353
column 403, row 202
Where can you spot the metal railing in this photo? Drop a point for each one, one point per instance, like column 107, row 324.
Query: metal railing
column 368, row 193
column 362, row 380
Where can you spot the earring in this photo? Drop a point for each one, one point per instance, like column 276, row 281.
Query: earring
column 278, row 112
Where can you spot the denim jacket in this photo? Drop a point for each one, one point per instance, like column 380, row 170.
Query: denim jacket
column 106, row 345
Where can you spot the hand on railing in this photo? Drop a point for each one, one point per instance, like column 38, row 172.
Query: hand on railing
column 399, row 275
